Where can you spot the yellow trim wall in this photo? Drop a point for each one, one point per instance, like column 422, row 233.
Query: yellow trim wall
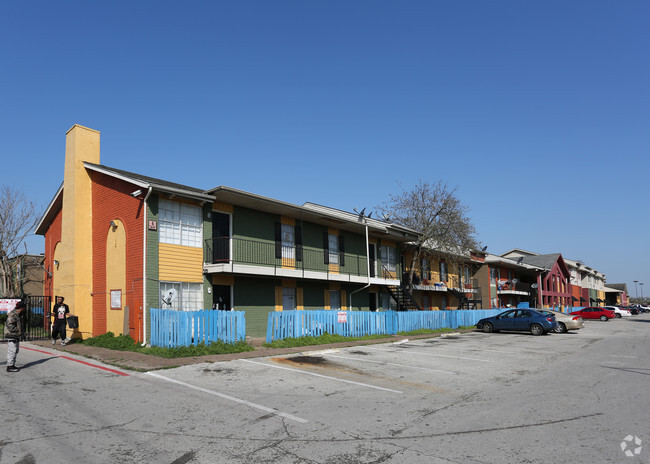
column 75, row 273
column 179, row 263
column 116, row 277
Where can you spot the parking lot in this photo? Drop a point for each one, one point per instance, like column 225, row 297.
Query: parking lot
column 466, row 398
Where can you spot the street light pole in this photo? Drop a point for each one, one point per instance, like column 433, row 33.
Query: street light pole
column 641, row 284
column 636, row 290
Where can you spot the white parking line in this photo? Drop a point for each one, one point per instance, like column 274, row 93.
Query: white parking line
column 429, row 354
column 456, row 347
column 322, row 376
column 230, row 398
column 390, row 364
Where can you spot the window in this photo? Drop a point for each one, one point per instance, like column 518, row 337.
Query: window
column 389, row 258
column 425, row 269
column 333, row 246
column 335, row 300
column 180, row 224
column 333, row 249
column 443, row 271
column 493, row 276
column 186, row 296
column 288, row 242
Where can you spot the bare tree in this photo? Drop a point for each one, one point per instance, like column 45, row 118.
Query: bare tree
column 435, row 212
column 17, row 219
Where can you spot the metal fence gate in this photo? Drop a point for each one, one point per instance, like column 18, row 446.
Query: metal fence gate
column 36, row 318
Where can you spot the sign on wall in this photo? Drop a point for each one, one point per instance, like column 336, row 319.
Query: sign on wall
column 7, row 305
column 116, row 299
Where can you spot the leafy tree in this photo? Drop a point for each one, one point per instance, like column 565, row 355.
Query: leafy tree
column 17, row 219
column 439, row 216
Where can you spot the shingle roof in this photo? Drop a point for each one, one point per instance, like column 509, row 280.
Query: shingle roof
column 157, row 184
column 543, row 261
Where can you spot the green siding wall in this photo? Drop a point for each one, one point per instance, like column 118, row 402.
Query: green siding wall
column 257, row 298
column 153, row 287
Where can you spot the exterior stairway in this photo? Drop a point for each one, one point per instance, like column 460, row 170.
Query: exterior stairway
column 403, row 298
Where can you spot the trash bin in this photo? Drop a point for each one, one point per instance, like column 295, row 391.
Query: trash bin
column 73, row 322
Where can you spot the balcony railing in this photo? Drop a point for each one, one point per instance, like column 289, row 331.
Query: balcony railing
column 272, row 254
column 513, row 287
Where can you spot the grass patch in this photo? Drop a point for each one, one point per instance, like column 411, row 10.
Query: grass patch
column 126, row 343
column 434, row 331
column 320, row 340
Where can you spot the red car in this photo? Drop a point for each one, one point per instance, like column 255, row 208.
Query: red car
column 595, row 312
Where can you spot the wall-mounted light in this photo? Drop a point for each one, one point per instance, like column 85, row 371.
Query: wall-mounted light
column 113, row 225
column 56, row 263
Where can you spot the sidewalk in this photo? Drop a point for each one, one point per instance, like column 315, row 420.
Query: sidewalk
column 145, row 362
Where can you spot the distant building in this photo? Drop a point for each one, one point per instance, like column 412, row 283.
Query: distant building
column 27, row 274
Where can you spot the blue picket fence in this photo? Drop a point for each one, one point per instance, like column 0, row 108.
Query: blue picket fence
column 299, row 323
column 171, row 328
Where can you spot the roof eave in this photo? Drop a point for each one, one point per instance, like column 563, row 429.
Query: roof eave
column 49, row 213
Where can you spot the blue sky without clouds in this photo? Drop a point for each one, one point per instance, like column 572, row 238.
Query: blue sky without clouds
column 539, row 112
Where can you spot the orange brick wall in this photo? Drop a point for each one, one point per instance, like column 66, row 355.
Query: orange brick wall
column 111, row 200
column 52, row 237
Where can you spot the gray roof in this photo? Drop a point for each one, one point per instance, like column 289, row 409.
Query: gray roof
column 621, row 287
column 156, row 184
column 543, row 261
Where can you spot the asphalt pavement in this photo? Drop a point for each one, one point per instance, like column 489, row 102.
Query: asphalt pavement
column 144, row 362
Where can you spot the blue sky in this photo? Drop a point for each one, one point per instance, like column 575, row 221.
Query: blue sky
column 537, row 111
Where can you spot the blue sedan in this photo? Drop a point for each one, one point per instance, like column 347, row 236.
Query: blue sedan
column 527, row 320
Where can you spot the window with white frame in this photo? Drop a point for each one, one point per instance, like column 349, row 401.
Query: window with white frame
column 389, row 258
column 333, row 246
column 288, row 241
column 180, row 224
column 185, row 296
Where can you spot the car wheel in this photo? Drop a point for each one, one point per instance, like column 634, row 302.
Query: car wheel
column 536, row 329
column 618, row 315
column 603, row 318
column 487, row 327
column 561, row 328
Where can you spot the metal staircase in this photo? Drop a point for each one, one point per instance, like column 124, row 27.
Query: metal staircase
column 403, row 298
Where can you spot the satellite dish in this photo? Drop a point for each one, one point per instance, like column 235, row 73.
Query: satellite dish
column 169, row 296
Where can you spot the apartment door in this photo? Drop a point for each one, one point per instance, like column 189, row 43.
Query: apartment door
column 220, row 237
column 221, row 297
column 372, row 251
column 372, row 301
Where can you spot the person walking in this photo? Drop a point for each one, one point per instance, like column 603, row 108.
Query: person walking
column 14, row 332
column 59, row 313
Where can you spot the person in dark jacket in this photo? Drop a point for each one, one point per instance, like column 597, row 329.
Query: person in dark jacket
column 59, row 313
column 14, row 332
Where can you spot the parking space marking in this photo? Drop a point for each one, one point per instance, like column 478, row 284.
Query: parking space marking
column 322, row 376
column 429, row 354
column 455, row 347
column 390, row 364
column 230, row 398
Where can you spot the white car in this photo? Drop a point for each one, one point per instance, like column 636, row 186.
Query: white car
column 619, row 312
